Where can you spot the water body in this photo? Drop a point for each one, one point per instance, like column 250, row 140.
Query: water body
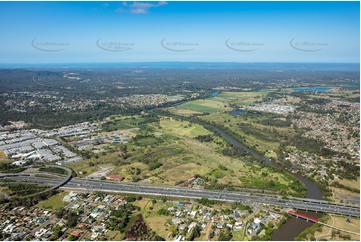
column 213, row 94
column 238, row 111
column 293, row 226
column 312, row 89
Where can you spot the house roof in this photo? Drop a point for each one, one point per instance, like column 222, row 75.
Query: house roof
column 76, row 233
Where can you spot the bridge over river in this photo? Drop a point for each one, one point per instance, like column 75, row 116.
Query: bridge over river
column 315, row 220
column 167, row 191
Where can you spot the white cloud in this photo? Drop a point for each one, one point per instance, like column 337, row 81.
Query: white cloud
column 139, row 7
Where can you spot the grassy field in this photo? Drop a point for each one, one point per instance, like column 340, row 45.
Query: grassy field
column 126, row 170
column 5, row 161
column 54, row 202
column 204, row 106
column 83, row 168
column 155, row 221
column 2, row 155
column 148, row 141
column 86, row 167
column 349, row 183
column 338, row 191
column 339, row 222
column 183, row 128
column 237, row 236
column 203, row 159
column 124, row 122
column 218, row 103
column 183, row 112
column 169, row 154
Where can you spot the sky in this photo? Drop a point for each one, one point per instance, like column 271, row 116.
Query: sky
column 100, row 32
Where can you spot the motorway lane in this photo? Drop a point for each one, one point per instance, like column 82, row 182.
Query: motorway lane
column 311, row 205
column 231, row 195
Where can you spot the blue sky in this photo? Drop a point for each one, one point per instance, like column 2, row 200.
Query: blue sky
column 67, row 32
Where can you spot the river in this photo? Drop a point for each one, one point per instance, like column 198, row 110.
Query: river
column 293, row 226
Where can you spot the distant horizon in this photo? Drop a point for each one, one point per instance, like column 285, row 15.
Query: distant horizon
column 165, row 61
column 312, row 66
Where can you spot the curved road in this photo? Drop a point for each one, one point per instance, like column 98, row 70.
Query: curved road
column 54, row 186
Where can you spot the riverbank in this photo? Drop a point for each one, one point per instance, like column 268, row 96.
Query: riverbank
column 293, row 227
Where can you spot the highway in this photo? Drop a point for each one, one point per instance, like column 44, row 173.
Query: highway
column 266, row 199
column 58, row 184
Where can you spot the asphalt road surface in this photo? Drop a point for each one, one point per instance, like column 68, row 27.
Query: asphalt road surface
column 266, row 199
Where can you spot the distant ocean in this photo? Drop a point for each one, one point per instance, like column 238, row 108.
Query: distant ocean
column 279, row 67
